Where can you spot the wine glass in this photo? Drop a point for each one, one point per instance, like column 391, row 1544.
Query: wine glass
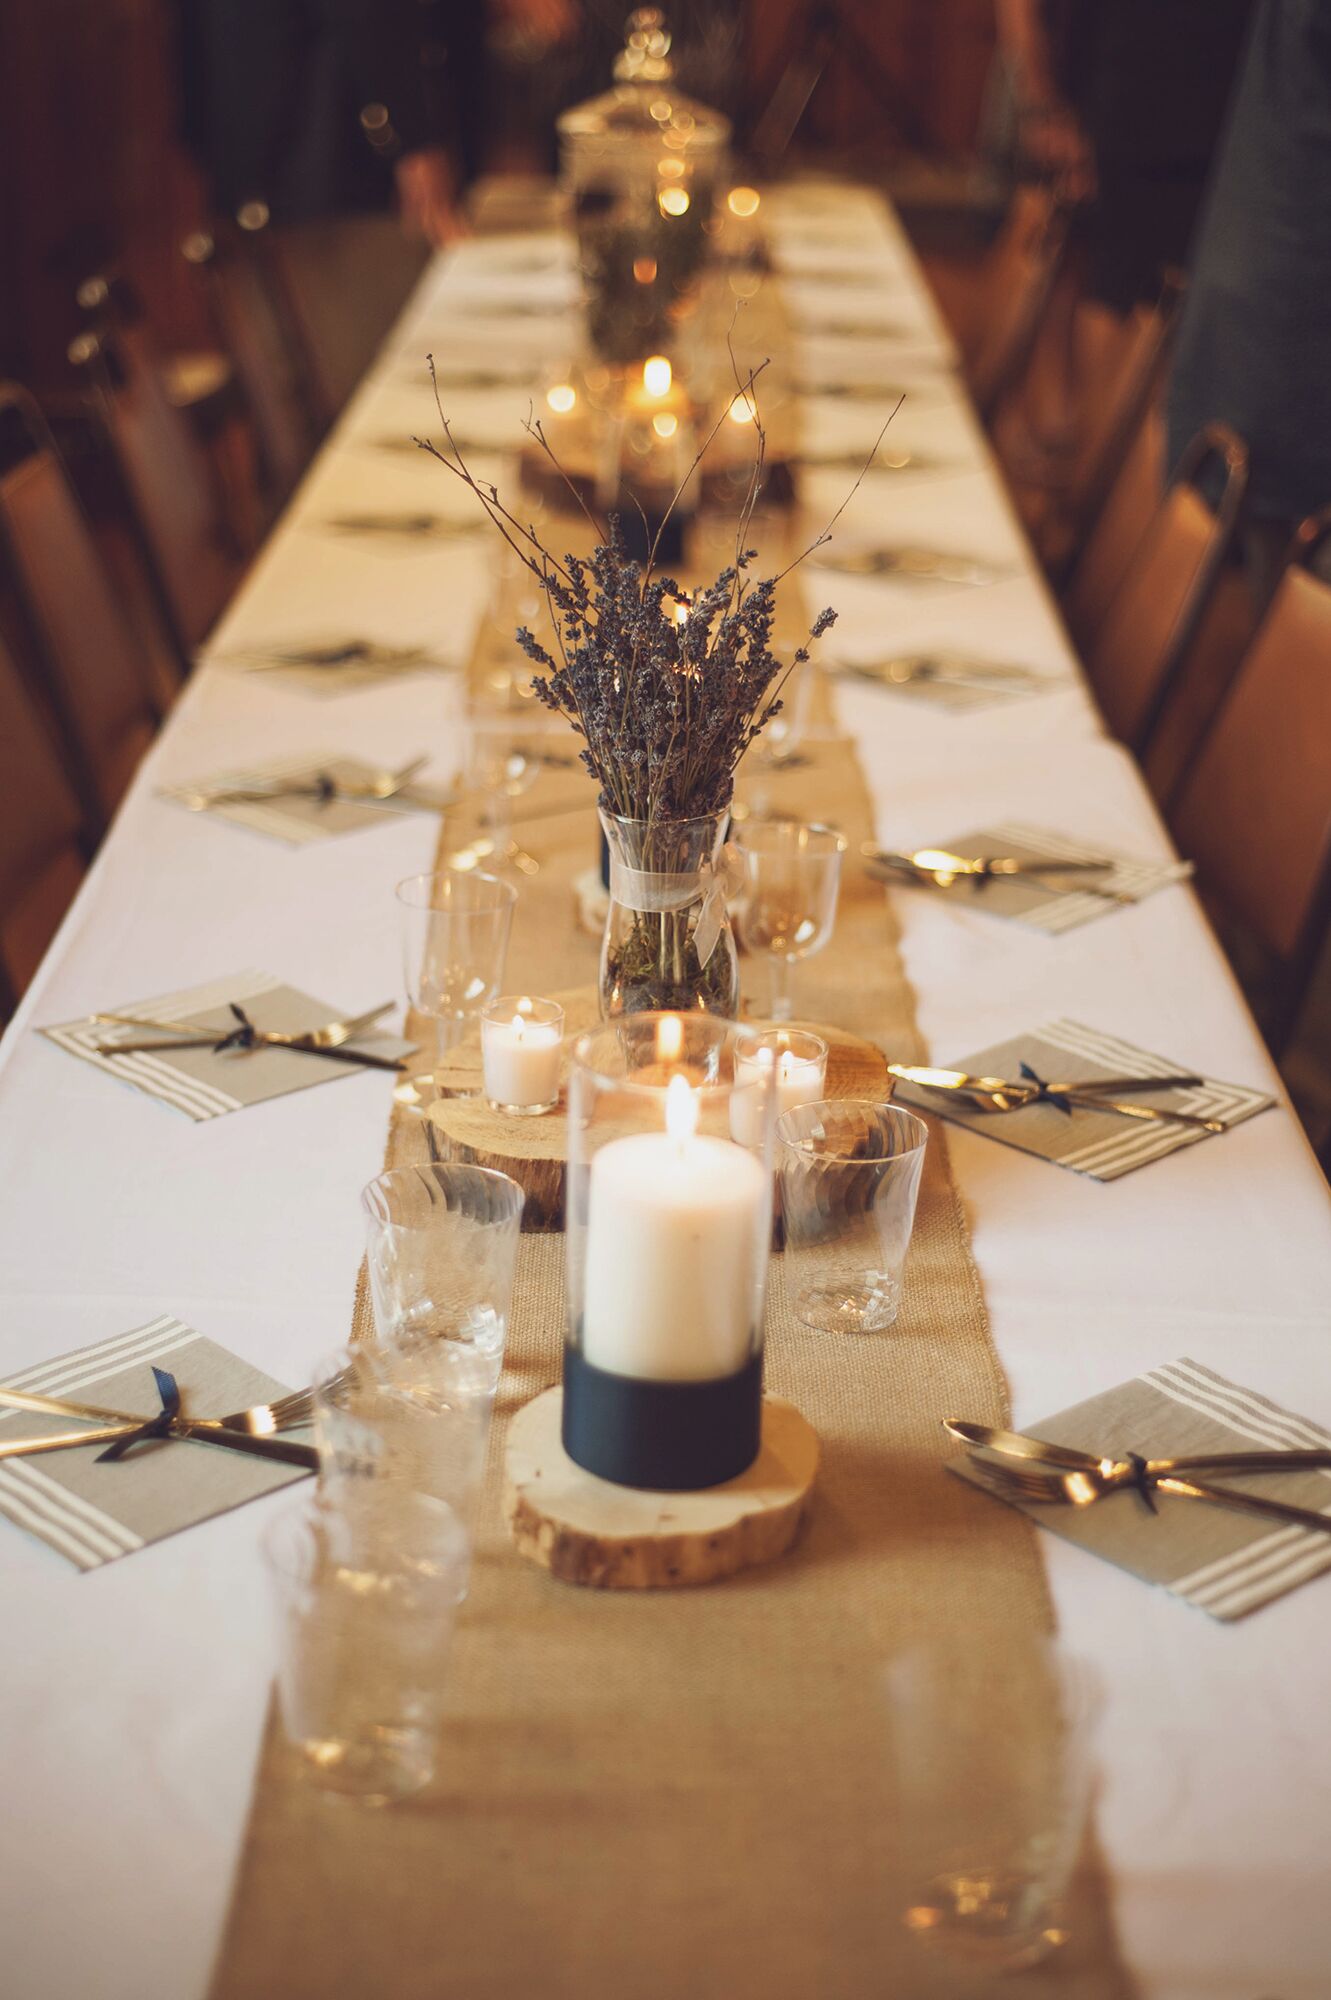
column 792, row 873
column 455, row 931
column 506, row 754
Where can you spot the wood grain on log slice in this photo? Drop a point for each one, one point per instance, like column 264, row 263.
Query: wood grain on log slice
column 533, row 1151
column 585, row 1530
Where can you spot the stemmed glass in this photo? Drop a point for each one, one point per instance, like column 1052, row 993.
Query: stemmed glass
column 455, row 932
column 506, row 754
column 792, row 874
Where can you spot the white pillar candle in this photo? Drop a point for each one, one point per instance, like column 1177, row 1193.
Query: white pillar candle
column 799, row 1080
column 520, row 1053
column 676, row 1222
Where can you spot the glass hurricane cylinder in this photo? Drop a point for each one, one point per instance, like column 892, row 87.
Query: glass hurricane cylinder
column 668, row 1225
column 668, row 945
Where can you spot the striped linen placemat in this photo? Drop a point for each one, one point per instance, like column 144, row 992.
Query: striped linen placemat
column 366, row 664
column 203, row 1083
column 1051, row 904
column 1223, row 1562
column 93, row 1514
column 297, row 820
column 1100, row 1144
column 941, row 680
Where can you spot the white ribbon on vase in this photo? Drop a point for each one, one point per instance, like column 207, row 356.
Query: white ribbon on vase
column 649, row 892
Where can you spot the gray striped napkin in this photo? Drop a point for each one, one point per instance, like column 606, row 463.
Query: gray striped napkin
column 206, row 1085
column 994, row 684
column 1100, row 1144
column 1225, row 1563
column 328, row 677
column 1051, row 904
column 300, row 821
column 94, row 1513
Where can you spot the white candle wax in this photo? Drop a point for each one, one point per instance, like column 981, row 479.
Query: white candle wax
column 675, row 1225
column 799, row 1080
column 520, row 1058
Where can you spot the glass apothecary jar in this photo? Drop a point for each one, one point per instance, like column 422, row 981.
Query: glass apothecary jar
column 668, row 1226
column 641, row 164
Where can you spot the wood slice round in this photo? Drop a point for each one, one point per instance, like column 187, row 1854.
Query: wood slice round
column 585, row 1530
column 534, row 1151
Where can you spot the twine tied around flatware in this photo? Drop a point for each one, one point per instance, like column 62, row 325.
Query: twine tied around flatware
column 650, row 891
column 154, row 1427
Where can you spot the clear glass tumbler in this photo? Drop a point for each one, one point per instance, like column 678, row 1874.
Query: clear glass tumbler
column 455, row 932
column 364, row 1632
column 399, row 1420
column 441, row 1243
column 849, row 1177
column 992, row 1777
column 788, row 903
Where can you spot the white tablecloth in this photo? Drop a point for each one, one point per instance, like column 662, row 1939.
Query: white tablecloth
column 131, row 1699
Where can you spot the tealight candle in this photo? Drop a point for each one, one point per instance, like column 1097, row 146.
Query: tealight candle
column 796, row 1062
column 521, row 1040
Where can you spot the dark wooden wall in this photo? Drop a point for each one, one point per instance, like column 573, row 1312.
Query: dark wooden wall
column 936, row 52
column 91, row 169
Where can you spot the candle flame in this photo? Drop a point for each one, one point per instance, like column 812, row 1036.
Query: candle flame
column 669, row 1038
column 673, row 201
column 657, row 375
column 681, row 1110
column 519, row 1026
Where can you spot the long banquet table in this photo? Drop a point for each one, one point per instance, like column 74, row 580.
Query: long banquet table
column 133, row 1698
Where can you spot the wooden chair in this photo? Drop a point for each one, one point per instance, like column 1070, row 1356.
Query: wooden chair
column 168, row 482
column 202, row 383
column 1122, row 365
column 99, row 688
column 1134, row 657
column 43, row 847
column 1115, row 536
column 1254, row 811
column 199, row 382
column 260, row 327
column 1020, row 282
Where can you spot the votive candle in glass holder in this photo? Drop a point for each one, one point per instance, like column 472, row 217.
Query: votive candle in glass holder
column 668, row 1227
column 521, row 1043
column 796, row 1062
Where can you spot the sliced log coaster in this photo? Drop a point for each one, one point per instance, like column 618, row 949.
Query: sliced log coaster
column 533, row 1151
column 584, row 1530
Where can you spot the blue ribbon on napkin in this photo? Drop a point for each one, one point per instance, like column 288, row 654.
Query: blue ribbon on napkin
column 155, row 1427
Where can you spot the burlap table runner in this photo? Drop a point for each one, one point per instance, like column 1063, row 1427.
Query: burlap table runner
column 651, row 1795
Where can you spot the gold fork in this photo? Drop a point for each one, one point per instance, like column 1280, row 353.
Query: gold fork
column 325, row 1041
column 203, row 1430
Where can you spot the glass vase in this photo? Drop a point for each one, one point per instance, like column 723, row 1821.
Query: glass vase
column 668, row 945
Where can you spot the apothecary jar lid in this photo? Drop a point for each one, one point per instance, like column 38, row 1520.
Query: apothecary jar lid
column 643, row 104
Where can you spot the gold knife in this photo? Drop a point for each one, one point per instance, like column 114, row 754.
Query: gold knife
column 201, row 1430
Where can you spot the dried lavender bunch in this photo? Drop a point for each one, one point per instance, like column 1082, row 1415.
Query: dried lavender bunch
column 666, row 707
